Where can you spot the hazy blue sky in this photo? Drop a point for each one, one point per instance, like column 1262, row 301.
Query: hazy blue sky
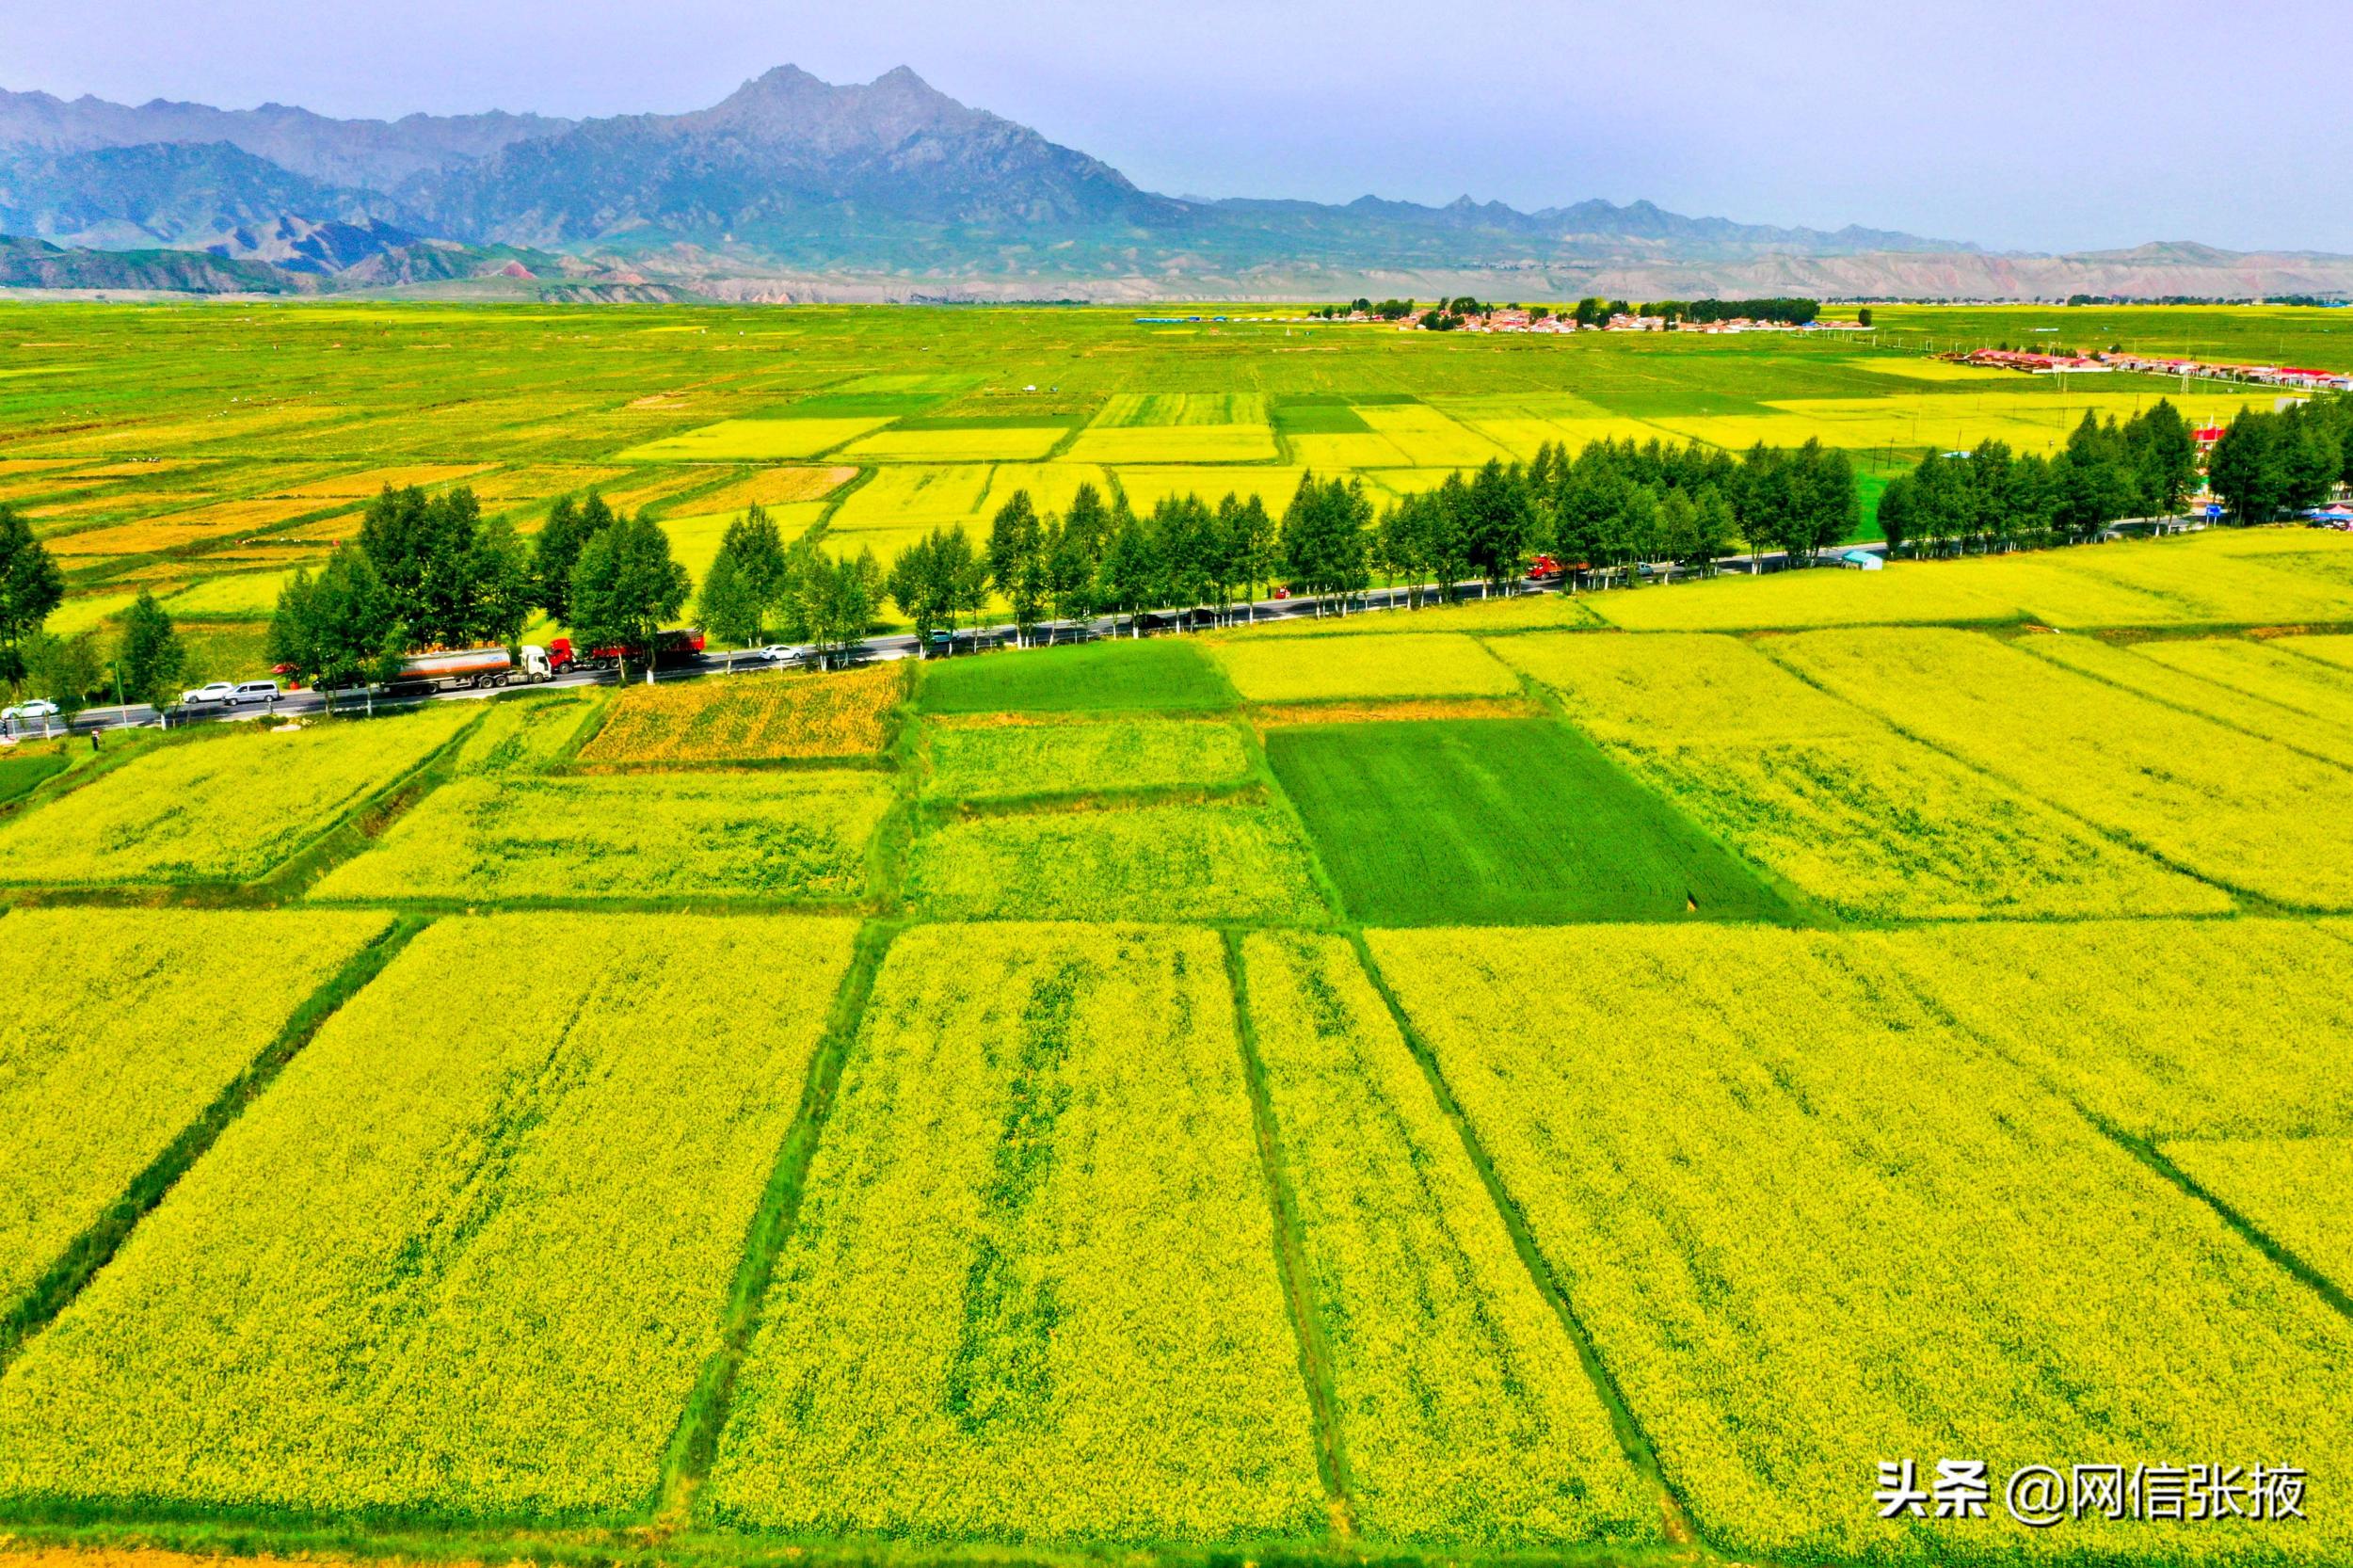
column 2055, row 125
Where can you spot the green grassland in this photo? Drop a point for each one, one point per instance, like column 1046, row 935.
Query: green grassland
column 1541, row 1080
column 204, row 451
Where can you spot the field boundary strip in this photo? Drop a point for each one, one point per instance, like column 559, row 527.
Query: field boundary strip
column 96, row 1246
column 1315, row 1355
column 695, row 1442
column 1632, row 1438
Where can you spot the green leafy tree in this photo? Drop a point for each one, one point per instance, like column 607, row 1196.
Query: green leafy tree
column 1071, row 564
column 31, row 586
column 66, row 670
column 1017, row 565
column 1130, row 569
column 729, row 604
column 625, row 587
column 149, row 657
column 423, row 549
column 504, row 589
column 757, row 546
column 1896, row 512
column 556, row 550
column 338, row 629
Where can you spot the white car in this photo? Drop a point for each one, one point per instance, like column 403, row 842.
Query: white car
column 218, row 691
column 27, row 713
column 778, row 654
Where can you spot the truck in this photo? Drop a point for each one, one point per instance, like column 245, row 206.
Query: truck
column 677, row 643
column 478, row 668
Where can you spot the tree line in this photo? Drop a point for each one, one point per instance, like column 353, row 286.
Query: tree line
column 1601, row 513
column 2145, row 467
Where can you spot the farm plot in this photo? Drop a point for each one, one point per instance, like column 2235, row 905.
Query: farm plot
column 2296, row 1191
column 1051, row 487
column 1167, row 673
column 218, row 808
column 777, row 487
column 1178, row 427
column 1146, row 487
column 1827, row 797
column 740, row 835
column 759, row 716
column 1811, row 1228
column 240, row 595
column 2209, row 799
column 2207, row 1028
column 1504, row 821
column 1438, row 664
column 110, row 1052
column 941, row 442
column 1427, row 438
column 992, row 759
column 1154, row 862
column 2299, row 702
column 2336, row 650
column 1464, row 1412
column 753, row 441
column 462, row 1260
column 913, row 495
column 989, row 1318
column 524, row 735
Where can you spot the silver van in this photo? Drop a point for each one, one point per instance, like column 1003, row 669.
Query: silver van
column 253, row 690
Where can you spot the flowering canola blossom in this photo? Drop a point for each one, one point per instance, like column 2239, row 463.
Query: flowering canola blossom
column 1032, row 1293
column 1810, row 1227
column 1462, row 1410
column 466, row 1255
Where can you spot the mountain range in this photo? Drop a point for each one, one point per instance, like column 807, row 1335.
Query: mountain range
column 792, row 188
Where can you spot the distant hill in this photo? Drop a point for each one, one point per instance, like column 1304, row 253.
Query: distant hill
column 795, row 188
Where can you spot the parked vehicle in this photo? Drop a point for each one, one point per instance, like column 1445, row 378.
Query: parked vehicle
column 779, row 653
column 253, row 690
column 39, row 711
column 478, row 668
column 682, row 643
column 216, row 691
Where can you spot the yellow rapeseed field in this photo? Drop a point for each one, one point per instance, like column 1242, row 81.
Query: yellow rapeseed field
column 1295, row 669
column 2248, row 685
column 461, row 1258
column 751, row 716
column 763, row 836
column 2241, row 812
column 219, row 807
column 1870, row 824
column 2298, row 1190
column 1031, row 1294
column 2164, row 1027
column 996, row 761
column 1464, row 1414
column 1810, row 1227
column 1155, row 863
column 112, row 1043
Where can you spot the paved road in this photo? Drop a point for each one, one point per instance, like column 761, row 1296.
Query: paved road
column 871, row 650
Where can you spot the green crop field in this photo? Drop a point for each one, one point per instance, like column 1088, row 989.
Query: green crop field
column 1162, row 674
column 1568, row 1079
column 1504, row 820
